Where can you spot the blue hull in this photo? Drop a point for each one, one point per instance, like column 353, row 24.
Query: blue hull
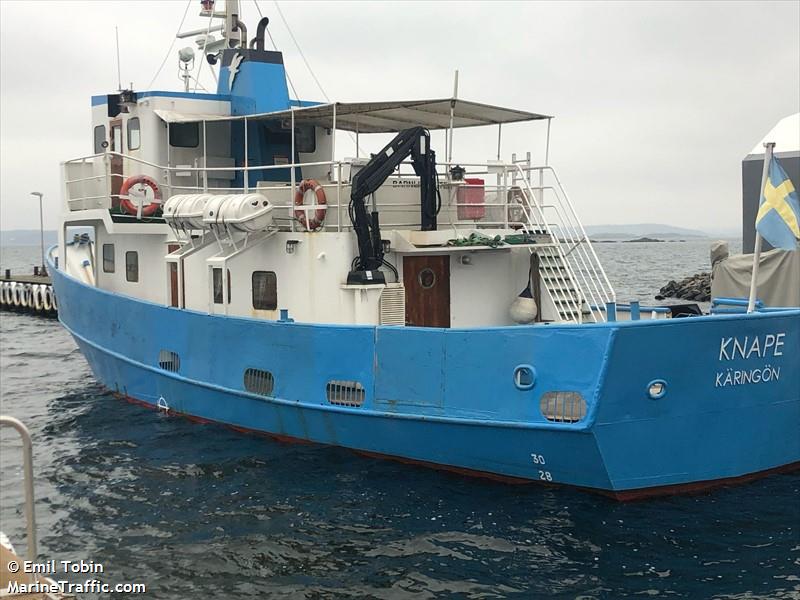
column 448, row 396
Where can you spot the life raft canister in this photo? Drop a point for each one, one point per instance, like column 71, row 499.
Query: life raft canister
column 318, row 218
column 148, row 210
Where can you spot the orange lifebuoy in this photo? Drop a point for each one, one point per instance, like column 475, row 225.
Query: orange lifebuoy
column 148, row 210
column 316, row 221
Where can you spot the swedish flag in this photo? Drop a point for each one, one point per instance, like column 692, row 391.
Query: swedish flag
column 778, row 218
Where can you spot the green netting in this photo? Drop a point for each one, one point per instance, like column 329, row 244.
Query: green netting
column 476, row 239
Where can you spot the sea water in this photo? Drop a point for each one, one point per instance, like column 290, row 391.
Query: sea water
column 201, row 511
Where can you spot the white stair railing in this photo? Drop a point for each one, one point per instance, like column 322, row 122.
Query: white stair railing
column 571, row 248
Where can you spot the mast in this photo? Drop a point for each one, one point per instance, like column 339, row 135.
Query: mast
column 235, row 31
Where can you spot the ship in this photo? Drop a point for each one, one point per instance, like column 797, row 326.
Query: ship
column 401, row 304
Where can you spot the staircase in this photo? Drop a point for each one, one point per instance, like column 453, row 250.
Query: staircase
column 569, row 268
column 557, row 280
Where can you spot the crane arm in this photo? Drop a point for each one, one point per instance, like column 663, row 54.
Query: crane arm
column 414, row 142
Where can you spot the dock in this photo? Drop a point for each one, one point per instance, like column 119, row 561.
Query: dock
column 31, row 294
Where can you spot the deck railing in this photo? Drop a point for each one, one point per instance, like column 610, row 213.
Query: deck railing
column 90, row 183
column 513, row 195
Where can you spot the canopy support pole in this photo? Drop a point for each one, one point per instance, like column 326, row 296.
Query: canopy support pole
column 169, row 166
column 547, row 144
column 452, row 114
column 333, row 133
column 546, row 162
column 751, row 302
column 205, row 159
column 246, row 161
column 292, row 177
column 499, row 133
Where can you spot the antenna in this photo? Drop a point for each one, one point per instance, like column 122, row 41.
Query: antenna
column 119, row 76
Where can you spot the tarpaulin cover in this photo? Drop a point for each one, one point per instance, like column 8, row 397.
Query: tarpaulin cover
column 778, row 278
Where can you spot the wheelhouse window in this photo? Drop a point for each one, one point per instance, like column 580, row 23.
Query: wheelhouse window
column 265, row 290
column 108, row 258
column 99, row 138
column 184, row 135
column 132, row 266
column 134, row 134
column 280, row 134
column 305, row 139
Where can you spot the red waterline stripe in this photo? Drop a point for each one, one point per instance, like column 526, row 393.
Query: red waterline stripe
column 647, row 493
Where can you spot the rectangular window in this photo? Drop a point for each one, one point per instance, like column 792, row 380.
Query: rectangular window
column 184, row 135
column 108, row 258
column 173, row 284
column 265, row 290
column 134, row 134
column 217, row 277
column 99, row 138
column 305, row 139
column 217, row 281
column 116, row 138
column 132, row 266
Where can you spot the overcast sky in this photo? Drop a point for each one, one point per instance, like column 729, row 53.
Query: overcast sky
column 656, row 103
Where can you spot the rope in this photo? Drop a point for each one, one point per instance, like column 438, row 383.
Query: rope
column 303, row 56
column 175, row 37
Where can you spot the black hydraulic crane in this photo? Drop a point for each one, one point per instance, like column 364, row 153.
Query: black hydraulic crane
column 414, row 142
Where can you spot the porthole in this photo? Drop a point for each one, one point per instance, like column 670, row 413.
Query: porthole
column 524, row 377
column 426, row 278
column 657, row 389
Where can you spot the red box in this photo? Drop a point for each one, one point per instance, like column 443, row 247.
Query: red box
column 470, row 199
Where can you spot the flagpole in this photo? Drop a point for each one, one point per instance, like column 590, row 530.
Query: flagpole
column 751, row 303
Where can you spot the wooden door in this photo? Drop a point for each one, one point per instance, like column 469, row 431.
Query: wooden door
column 427, row 283
column 115, row 128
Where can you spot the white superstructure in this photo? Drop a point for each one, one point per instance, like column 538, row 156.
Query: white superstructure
column 200, row 202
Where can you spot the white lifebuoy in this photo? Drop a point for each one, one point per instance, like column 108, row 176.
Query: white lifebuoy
column 46, row 296
column 27, row 300
column 37, row 296
column 4, row 293
column 317, row 219
column 12, row 294
column 129, row 206
column 53, row 299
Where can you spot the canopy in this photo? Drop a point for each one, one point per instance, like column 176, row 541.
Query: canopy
column 380, row 117
column 786, row 135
